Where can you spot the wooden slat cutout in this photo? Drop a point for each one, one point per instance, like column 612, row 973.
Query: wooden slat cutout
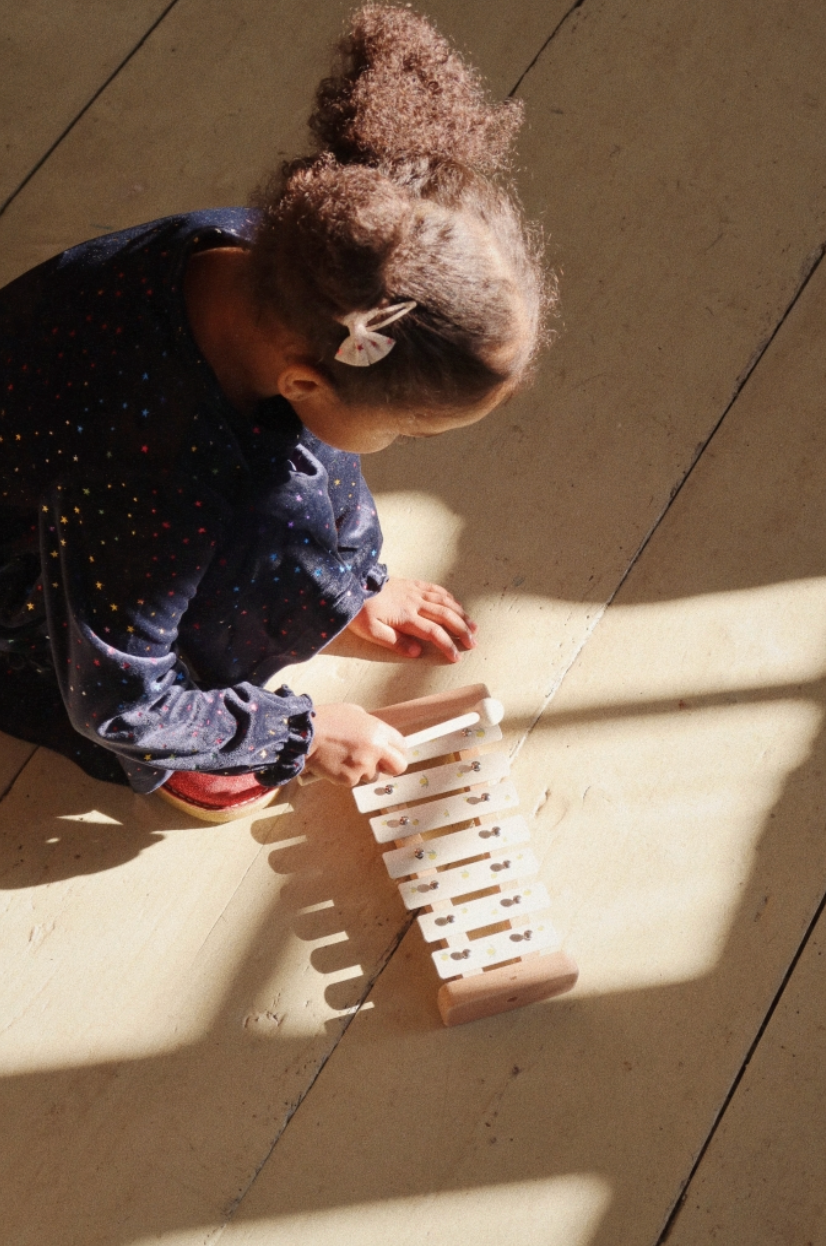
column 504, row 867
column 448, row 849
column 431, row 782
column 465, row 956
column 434, row 814
column 449, row 919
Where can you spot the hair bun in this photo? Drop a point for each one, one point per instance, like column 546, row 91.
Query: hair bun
column 398, row 206
column 401, row 94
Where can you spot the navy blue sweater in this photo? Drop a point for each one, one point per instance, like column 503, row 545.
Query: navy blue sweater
column 175, row 553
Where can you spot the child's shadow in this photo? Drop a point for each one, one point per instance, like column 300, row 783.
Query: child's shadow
column 59, row 823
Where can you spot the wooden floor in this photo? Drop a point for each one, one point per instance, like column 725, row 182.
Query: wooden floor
column 228, row 1034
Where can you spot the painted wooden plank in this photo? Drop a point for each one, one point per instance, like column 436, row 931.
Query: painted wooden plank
column 460, row 957
column 152, row 145
column 498, row 869
column 468, row 737
column 449, row 919
column 432, row 781
column 458, row 846
column 144, row 954
column 432, row 815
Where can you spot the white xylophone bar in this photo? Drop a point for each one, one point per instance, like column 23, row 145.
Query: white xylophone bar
column 449, row 920
column 494, row 871
column 434, row 815
column 460, row 957
column 465, row 738
column 458, row 846
column 489, row 712
column 431, row 782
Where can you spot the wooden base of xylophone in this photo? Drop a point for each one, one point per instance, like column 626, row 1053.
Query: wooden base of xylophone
column 511, row 986
column 464, row 870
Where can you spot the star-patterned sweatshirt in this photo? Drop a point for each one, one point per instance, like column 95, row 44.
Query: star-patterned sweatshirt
column 176, row 553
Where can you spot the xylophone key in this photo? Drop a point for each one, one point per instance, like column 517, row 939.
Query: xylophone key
column 508, row 905
column 468, row 737
column 435, row 814
column 462, row 955
column 458, row 846
column 435, row 780
column 498, row 870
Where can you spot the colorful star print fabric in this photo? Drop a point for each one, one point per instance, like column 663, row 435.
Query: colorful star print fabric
column 166, row 554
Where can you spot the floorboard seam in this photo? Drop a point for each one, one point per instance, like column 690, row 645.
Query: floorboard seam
column 545, row 45
column 810, row 267
column 561, row 677
column 5, row 791
column 778, row 995
column 233, row 1207
column 94, row 98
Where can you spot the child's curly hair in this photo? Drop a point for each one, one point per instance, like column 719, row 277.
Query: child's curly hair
column 405, row 200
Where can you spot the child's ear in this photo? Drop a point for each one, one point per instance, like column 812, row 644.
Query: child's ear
column 298, row 382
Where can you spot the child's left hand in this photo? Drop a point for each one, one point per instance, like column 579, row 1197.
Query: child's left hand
column 414, row 608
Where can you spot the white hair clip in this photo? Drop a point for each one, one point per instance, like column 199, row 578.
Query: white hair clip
column 364, row 345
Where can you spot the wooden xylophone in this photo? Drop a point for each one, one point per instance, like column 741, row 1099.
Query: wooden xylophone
column 463, row 857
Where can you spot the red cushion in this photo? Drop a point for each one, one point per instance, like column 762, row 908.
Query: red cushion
column 215, row 791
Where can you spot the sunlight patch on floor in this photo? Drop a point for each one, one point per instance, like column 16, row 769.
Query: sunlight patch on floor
column 665, row 758
column 404, row 513
column 93, row 815
column 559, row 1211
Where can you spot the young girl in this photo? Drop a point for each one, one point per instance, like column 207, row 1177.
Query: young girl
column 182, row 407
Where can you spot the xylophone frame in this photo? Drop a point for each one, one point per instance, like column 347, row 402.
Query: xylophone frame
column 527, row 980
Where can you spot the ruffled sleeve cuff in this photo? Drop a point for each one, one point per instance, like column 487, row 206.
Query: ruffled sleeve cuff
column 374, row 579
column 299, row 737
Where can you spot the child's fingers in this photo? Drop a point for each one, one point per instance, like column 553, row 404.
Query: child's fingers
column 406, row 612
column 457, row 624
column 404, row 637
column 389, row 638
column 349, row 745
column 392, row 762
column 388, row 744
column 457, row 619
column 431, row 631
column 440, row 596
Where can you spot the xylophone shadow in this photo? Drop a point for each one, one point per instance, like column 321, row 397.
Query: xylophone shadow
column 336, row 897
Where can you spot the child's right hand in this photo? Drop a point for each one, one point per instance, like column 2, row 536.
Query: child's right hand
column 350, row 746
